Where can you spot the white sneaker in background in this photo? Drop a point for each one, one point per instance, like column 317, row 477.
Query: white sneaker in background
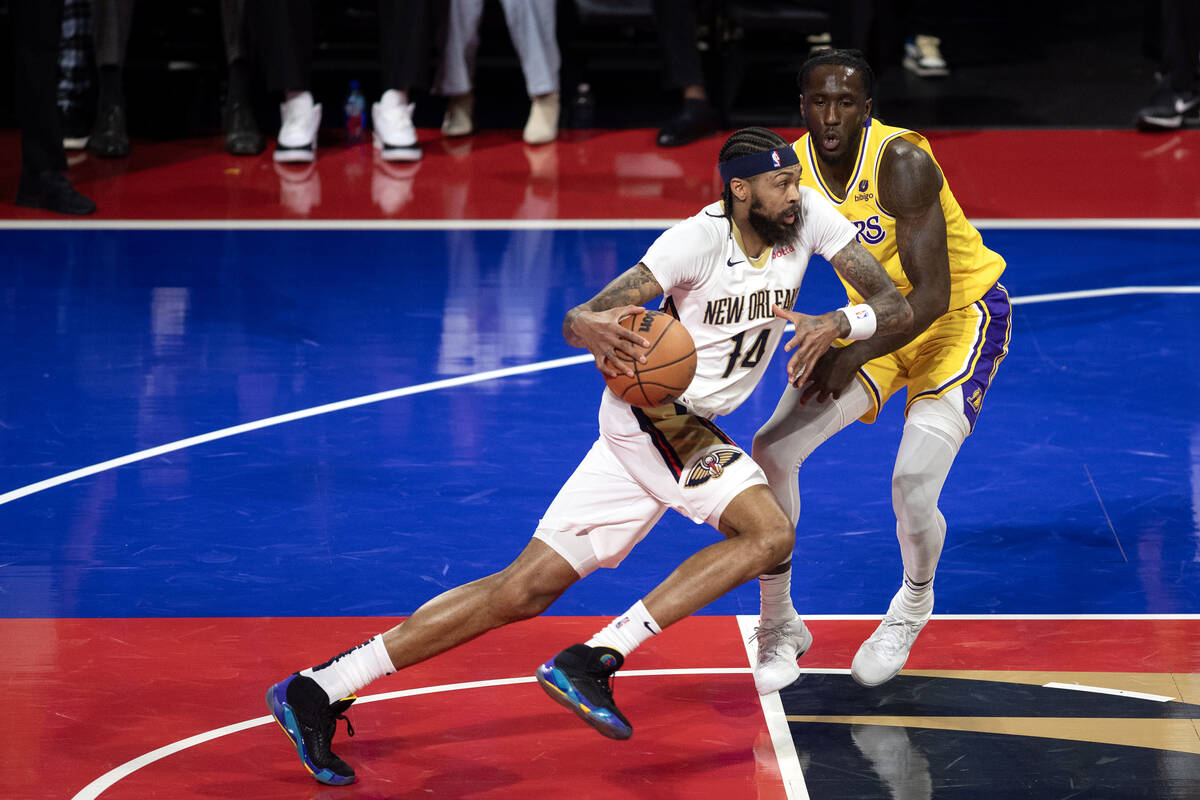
column 457, row 121
column 923, row 56
column 542, row 125
column 883, row 654
column 778, row 648
column 300, row 121
column 394, row 134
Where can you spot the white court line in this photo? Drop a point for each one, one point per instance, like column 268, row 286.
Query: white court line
column 461, row 380
column 1076, row 687
column 1115, row 291
column 1164, row 223
column 777, row 725
column 141, row 455
column 105, row 781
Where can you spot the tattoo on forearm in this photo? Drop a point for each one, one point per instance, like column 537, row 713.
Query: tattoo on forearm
column 860, row 269
column 634, row 287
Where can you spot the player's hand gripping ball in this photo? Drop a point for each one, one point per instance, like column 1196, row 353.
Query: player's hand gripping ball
column 670, row 361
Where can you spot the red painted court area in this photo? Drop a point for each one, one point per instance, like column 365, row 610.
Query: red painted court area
column 1029, row 174
column 91, row 696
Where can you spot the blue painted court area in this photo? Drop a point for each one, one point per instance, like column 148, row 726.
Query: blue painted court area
column 1076, row 494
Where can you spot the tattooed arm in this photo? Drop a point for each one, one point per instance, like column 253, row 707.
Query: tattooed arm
column 814, row 335
column 868, row 277
column 593, row 325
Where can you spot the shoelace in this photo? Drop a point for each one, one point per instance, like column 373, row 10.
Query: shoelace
column 895, row 636
column 603, row 682
column 769, row 637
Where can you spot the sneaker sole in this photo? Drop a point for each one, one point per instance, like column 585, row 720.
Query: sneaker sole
column 282, row 712
column 388, row 152
column 295, row 155
column 556, row 684
column 1160, row 123
column 925, row 72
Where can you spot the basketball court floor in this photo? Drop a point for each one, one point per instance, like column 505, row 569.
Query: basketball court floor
column 252, row 415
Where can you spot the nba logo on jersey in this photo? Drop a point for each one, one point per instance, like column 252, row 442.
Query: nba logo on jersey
column 775, row 159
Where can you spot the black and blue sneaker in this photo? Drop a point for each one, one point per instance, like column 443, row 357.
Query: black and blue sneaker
column 303, row 710
column 580, row 678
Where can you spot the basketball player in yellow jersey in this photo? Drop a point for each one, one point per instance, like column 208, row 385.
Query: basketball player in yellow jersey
column 886, row 181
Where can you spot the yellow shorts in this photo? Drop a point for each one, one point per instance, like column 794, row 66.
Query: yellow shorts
column 963, row 347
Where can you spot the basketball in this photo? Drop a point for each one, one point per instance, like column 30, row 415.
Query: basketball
column 670, row 361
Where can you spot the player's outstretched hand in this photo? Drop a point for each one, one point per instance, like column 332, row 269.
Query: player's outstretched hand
column 603, row 337
column 832, row 373
column 812, row 339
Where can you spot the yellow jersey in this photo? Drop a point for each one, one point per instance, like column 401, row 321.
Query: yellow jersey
column 973, row 267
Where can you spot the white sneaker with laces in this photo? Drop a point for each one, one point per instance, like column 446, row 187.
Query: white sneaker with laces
column 883, row 654
column 301, row 119
column 923, row 56
column 394, row 134
column 542, row 125
column 778, row 648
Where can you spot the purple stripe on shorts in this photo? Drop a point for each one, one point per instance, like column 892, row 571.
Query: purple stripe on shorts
column 992, row 347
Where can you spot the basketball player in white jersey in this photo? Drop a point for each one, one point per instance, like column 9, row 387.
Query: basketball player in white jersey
column 731, row 274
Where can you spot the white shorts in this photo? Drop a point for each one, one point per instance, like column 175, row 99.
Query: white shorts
column 645, row 461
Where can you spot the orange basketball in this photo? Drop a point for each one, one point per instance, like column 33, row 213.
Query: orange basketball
column 670, row 361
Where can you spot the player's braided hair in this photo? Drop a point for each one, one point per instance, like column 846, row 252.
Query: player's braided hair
column 838, row 58
column 742, row 143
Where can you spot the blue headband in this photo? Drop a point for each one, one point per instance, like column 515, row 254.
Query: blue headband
column 757, row 163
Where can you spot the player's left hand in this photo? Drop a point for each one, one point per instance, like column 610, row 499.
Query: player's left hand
column 813, row 337
column 832, row 373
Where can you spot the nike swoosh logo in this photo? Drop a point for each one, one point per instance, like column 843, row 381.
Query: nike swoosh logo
column 647, row 624
column 729, row 262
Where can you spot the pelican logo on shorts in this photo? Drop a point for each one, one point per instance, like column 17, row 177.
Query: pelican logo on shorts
column 711, row 466
column 775, row 159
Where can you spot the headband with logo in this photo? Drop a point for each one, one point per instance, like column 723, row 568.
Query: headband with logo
column 748, row 166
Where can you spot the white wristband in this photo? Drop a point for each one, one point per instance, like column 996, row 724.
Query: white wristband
column 862, row 321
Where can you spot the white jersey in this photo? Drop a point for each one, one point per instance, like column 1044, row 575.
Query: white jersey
column 725, row 301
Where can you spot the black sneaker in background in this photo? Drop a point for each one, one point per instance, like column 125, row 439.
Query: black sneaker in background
column 1168, row 110
column 52, row 192
column 110, row 136
column 242, row 137
column 303, row 710
column 580, row 678
column 697, row 120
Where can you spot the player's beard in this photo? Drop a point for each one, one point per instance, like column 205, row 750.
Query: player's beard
column 773, row 231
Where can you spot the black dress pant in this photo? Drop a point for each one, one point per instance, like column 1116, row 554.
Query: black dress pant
column 284, row 37
column 37, row 26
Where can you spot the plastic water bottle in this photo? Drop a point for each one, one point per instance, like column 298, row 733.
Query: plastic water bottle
column 356, row 114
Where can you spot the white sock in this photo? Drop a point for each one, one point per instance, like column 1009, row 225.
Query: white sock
column 345, row 674
column 915, row 598
column 627, row 631
column 775, row 595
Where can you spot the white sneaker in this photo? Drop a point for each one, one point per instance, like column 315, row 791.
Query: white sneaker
column 883, row 654
column 923, row 56
column 778, row 648
column 542, row 125
column 457, row 121
column 394, row 134
column 301, row 119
